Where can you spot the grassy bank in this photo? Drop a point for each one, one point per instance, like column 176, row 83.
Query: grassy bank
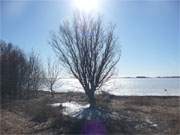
column 131, row 115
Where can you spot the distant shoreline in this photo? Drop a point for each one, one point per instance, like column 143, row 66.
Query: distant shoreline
column 112, row 95
column 144, row 77
column 137, row 77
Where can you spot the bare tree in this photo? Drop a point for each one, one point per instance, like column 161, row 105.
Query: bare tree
column 13, row 66
column 52, row 75
column 88, row 50
column 34, row 73
column 20, row 75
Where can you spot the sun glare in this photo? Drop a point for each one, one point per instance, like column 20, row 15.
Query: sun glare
column 86, row 5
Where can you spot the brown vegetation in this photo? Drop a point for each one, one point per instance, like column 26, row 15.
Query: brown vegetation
column 130, row 115
column 20, row 75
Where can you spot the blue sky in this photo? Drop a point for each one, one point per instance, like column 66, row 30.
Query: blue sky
column 148, row 30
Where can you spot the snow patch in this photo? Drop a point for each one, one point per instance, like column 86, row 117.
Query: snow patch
column 71, row 108
column 151, row 123
column 55, row 104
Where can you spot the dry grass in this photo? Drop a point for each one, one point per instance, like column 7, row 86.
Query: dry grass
column 34, row 116
column 12, row 123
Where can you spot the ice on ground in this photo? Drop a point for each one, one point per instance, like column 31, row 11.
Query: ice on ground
column 55, row 104
column 151, row 123
column 154, row 125
column 71, row 108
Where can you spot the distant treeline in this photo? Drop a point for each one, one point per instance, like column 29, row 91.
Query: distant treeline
column 20, row 74
column 151, row 77
column 168, row 77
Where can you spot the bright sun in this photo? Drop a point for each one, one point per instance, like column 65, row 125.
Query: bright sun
column 86, row 5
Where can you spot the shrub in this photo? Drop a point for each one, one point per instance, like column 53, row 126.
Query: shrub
column 42, row 111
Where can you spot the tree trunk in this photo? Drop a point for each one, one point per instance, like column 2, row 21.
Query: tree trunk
column 52, row 92
column 92, row 99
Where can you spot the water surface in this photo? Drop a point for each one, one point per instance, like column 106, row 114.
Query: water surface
column 130, row 86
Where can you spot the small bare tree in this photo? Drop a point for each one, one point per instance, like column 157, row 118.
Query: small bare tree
column 52, row 75
column 35, row 73
column 88, row 50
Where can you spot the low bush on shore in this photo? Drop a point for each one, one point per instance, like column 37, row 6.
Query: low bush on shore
column 41, row 111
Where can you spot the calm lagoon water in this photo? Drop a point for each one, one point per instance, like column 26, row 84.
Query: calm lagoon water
column 130, row 86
